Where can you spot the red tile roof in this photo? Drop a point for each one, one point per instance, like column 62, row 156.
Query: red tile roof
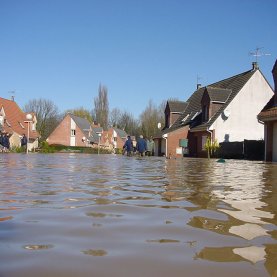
column 15, row 119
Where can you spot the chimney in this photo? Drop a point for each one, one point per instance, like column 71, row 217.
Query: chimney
column 12, row 98
column 255, row 66
column 198, row 86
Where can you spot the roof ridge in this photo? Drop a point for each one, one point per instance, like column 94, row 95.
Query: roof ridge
column 234, row 77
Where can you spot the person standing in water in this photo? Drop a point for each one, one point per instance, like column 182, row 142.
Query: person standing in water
column 141, row 146
column 128, row 146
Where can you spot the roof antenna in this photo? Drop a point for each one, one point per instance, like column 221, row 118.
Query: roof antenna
column 12, row 94
column 257, row 53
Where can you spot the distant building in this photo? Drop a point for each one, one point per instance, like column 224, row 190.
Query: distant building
column 74, row 131
column 77, row 131
column 225, row 111
column 14, row 122
column 268, row 116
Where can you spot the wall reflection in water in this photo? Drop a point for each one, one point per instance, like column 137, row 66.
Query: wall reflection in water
column 246, row 192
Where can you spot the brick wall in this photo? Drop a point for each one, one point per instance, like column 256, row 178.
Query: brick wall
column 173, row 141
column 61, row 135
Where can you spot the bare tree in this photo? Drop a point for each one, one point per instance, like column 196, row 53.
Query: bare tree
column 150, row 118
column 81, row 112
column 47, row 115
column 129, row 124
column 101, row 106
column 115, row 116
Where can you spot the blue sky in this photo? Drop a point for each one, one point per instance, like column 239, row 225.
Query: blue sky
column 140, row 50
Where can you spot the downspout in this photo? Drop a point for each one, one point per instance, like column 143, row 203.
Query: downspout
column 211, row 132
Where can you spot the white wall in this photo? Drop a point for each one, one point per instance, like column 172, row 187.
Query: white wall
column 114, row 141
column 242, row 122
column 72, row 127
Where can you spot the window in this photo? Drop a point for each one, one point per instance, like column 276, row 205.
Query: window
column 73, row 132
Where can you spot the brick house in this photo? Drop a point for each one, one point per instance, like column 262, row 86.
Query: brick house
column 77, row 131
column 114, row 138
column 14, row 122
column 268, row 116
column 223, row 111
column 73, row 131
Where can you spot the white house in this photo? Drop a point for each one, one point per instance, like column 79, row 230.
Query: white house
column 225, row 111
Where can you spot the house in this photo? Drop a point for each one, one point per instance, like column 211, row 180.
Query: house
column 224, row 111
column 74, row 131
column 268, row 116
column 16, row 123
column 114, row 138
column 77, row 131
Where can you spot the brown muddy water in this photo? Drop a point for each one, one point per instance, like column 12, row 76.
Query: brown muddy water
column 89, row 215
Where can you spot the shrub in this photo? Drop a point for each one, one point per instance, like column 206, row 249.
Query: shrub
column 211, row 147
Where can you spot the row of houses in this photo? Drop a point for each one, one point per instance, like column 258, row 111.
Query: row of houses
column 72, row 130
column 77, row 131
column 238, row 108
column 241, row 107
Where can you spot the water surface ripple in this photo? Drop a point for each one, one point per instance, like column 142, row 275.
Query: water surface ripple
column 108, row 215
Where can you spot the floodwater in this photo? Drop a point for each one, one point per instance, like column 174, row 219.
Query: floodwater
column 107, row 215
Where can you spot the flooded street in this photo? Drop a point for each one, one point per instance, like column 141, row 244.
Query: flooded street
column 89, row 215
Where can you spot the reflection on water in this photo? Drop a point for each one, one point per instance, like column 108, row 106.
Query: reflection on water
column 90, row 215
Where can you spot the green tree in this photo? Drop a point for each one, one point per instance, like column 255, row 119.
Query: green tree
column 81, row 112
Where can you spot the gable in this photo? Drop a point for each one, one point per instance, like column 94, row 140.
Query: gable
column 176, row 106
column 121, row 133
column 82, row 123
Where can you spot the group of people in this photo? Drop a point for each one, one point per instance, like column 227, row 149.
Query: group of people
column 4, row 142
column 142, row 146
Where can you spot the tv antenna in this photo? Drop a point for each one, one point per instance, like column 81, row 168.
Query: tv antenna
column 12, row 92
column 258, row 53
column 198, row 84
